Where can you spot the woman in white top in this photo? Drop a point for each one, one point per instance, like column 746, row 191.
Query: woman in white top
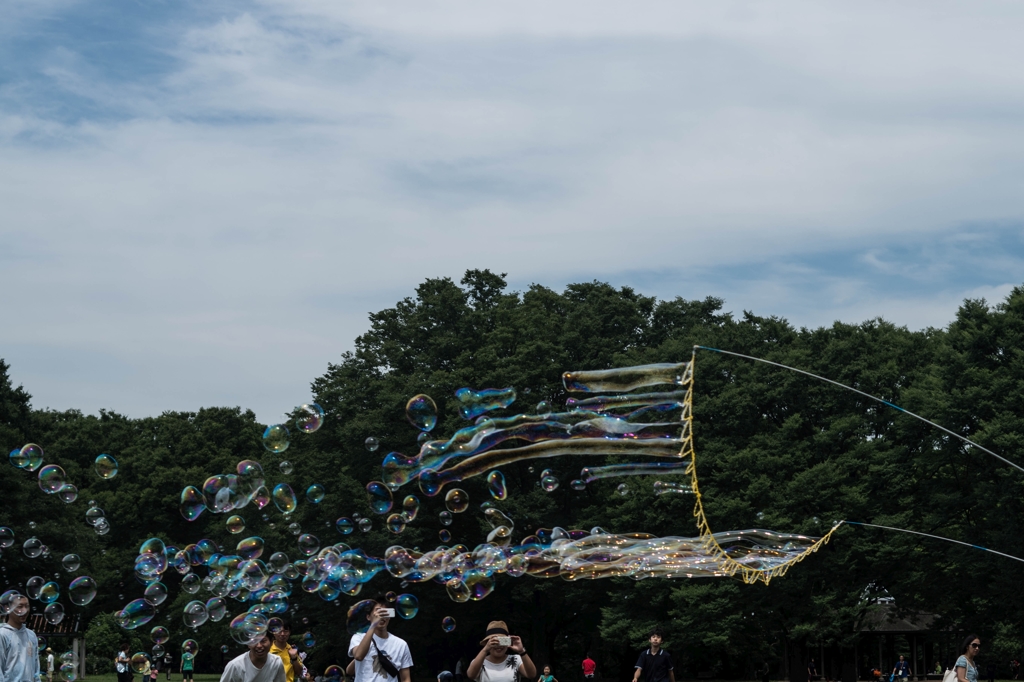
column 503, row 657
column 966, row 668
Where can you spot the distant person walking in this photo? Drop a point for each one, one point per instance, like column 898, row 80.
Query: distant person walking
column 966, row 668
column 122, row 663
column 168, row 659
column 49, row 664
column 188, row 662
column 902, row 669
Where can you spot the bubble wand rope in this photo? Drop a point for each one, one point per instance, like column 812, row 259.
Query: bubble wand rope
column 866, row 395
column 937, row 537
column 729, row 565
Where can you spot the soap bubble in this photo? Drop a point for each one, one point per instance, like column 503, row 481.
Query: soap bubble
column 421, row 411
column 457, row 590
column 371, row 444
column 549, row 483
column 6, row 537
column 223, row 648
column 284, row 498
column 71, row 562
column 68, row 493
column 275, row 438
column 157, row 650
column 447, row 623
column 496, row 485
column 7, row 601
column 53, row 613
column 33, row 585
column 191, row 583
column 102, row 527
column 396, row 523
column 51, row 479
column 261, row 497
column 410, row 507
column 286, row 467
column 479, row 585
column 33, row 455
column 49, row 592
column 623, row 489
column 444, row 536
column 309, row 544
column 379, row 496
column 32, row 547
column 191, row 646
column 665, row 487
column 334, row 672
column 68, row 672
column 17, row 459
column 295, row 528
column 248, row 626
column 235, row 524
column 310, row 418
column 139, row 662
column 93, row 515
column 456, row 500
column 547, row 472
column 445, row 518
column 82, row 590
column 543, row 407
column 315, row 493
column 407, row 606
column 217, row 608
column 155, row 593
column 308, row 640
column 344, row 525
column 106, row 466
column 135, row 614
column 192, row 503
column 578, row 484
column 250, row 548
column 475, row 403
column 365, row 525
column 159, row 634
column 195, row 614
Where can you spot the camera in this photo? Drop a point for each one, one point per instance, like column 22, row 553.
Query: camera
column 504, row 640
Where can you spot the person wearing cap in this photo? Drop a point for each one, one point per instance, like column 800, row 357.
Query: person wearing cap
column 19, row 646
column 499, row 661
column 255, row 665
column 49, row 664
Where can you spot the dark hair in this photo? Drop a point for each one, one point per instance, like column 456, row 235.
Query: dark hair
column 286, row 625
column 967, row 643
column 656, row 631
column 124, row 645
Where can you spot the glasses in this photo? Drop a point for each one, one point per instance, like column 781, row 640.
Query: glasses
column 975, row 645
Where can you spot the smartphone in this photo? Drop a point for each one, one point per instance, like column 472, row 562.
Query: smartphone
column 504, row 640
column 389, row 613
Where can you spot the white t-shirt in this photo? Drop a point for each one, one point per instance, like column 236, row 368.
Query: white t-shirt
column 506, row 671
column 241, row 669
column 369, row 669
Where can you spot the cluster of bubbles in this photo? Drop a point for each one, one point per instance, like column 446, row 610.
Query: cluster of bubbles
column 308, row 418
column 52, row 478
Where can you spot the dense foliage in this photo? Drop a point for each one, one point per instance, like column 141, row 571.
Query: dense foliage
column 775, row 450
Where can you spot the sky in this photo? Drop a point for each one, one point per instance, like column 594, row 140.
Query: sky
column 201, row 202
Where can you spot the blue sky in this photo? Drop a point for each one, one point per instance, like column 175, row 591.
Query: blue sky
column 203, row 201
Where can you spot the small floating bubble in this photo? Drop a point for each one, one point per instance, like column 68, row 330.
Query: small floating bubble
column 284, row 498
column 371, row 444
column 310, row 418
column 286, row 467
column 379, row 496
column 457, row 501
column 315, row 493
column 106, row 466
column 496, row 485
column 276, row 438
column 421, row 411
column 344, row 525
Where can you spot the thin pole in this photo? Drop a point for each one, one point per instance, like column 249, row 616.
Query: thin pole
column 867, row 395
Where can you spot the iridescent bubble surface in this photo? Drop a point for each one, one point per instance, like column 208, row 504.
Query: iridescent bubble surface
column 407, row 606
column 82, row 590
column 410, row 507
column 309, row 418
column 396, row 523
column 379, row 497
column 472, row 403
column 235, row 524
column 192, row 503
column 51, row 479
column 457, row 501
column 135, row 614
column 284, row 498
column 315, row 493
column 496, row 485
column 421, row 412
column 71, row 562
column 276, row 438
column 344, row 525
column 33, row 456
column 549, row 483
column 105, row 466
column 447, row 623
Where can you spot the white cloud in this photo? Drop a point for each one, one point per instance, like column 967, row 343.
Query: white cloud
column 220, row 229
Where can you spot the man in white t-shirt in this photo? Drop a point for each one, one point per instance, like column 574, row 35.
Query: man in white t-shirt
column 255, row 665
column 379, row 655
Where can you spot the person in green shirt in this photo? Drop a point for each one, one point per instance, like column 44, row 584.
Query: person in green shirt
column 187, row 661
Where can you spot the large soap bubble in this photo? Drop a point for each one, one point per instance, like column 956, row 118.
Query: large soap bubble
column 68, row 493
column 315, row 493
column 33, row 455
column 421, row 411
column 106, row 466
column 6, row 537
column 248, row 626
column 284, row 498
column 456, row 500
column 407, row 606
column 32, row 547
column 195, row 614
column 496, row 485
column 51, row 479
column 135, row 614
column 82, row 590
column 309, row 418
column 49, row 592
column 53, row 613
column 379, row 497
column 276, row 438
column 192, row 503
column 159, row 634
column 155, row 593
column 475, row 403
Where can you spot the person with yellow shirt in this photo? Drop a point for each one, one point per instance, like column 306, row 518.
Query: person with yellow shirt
column 289, row 654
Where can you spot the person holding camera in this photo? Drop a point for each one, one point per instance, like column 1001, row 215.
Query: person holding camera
column 379, row 655
column 503, row 657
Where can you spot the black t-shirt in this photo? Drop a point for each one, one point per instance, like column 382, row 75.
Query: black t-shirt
column 655, row 667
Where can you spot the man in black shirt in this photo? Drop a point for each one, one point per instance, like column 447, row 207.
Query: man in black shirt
column 655, row 663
